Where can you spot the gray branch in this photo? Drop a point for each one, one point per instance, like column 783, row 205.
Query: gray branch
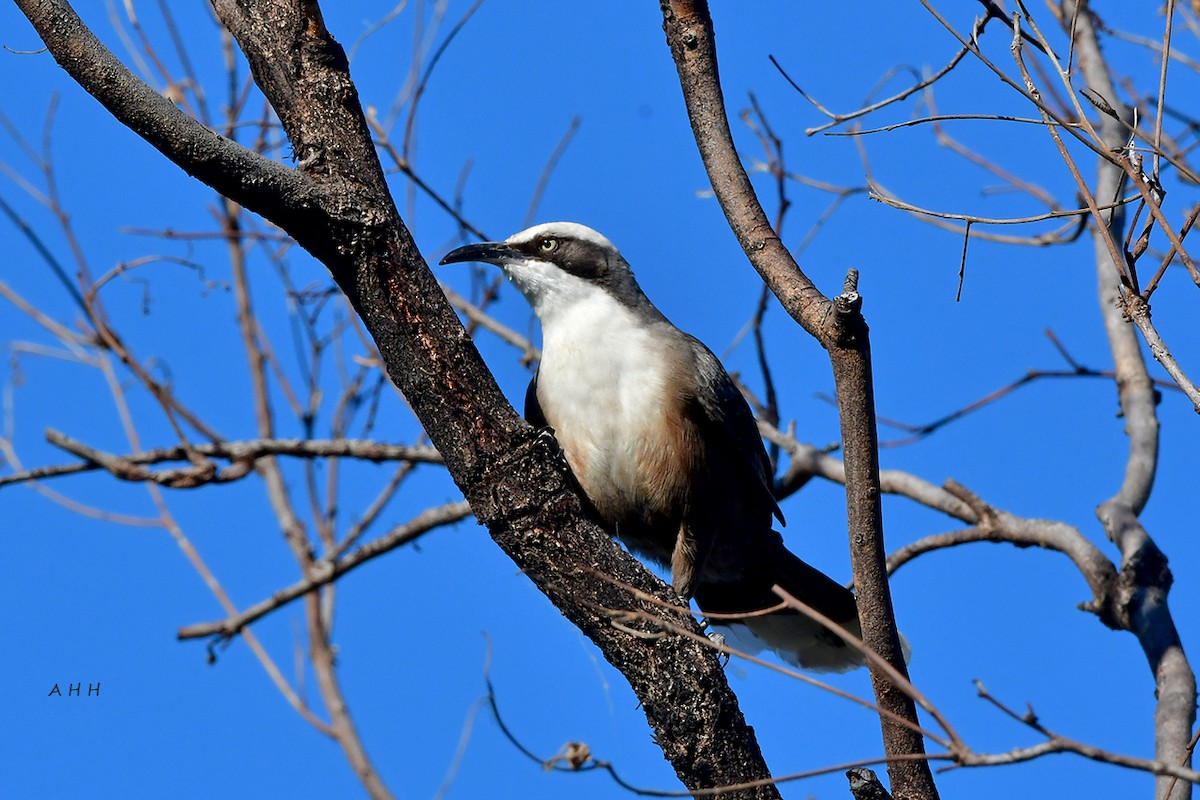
column 1145, row 580
column 234, row 171
column 324, row 572
column 241, row 454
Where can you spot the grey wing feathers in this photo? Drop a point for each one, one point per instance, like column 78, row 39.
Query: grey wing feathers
column 728, row 416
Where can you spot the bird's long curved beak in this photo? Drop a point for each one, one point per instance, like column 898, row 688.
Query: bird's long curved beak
column 486, row 252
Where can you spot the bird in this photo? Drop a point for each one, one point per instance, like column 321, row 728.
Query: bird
column 663, row 445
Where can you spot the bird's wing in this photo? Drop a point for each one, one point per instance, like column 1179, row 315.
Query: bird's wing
column 725, row 419
column 533, row 409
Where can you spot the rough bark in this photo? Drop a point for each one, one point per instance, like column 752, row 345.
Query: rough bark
column 337, row 206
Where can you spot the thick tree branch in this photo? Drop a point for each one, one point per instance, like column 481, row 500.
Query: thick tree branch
column 865, row 785
column 342, row 213
column 839, row 326
column 690, row 36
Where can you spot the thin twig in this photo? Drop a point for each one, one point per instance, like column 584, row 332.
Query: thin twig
column 535, row 199
column 237, row 451
column 323, row 572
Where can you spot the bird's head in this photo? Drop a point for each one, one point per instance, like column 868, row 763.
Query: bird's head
column 557, row 264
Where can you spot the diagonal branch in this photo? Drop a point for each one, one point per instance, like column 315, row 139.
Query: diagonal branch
column 839, row 326
column 238, row 173
column 326, row 572
column 341, row 212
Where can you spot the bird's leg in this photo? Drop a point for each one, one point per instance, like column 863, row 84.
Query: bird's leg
column 685, row 569
column 716, row 637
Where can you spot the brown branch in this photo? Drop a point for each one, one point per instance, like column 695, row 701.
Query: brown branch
column 689, row 35
column 578, row 757
column 340, row 210
column 193, row 556
column 427, row 73
column 995, row 525
column 1191, row 751
column 935, row 119
column 367, row 516
column 88, row 300
column 719, row 645
column 1139, row 313
column 476, row 316
column 883, row 196
column 321, row 654
column 1192, row 216
column 132, row 466
column 953, row 741
column 959, row 752
column 323, row 660
column 1111, row 149
column 918, row 432
column 773, row 151
column 171, row 234
column 102, row 362
column 1018, row 184
column 840, row 328
column 235, row 171
column 404, row 168
column 955, row 500
column 941, row 541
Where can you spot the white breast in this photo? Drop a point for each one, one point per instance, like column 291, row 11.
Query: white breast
column 603, row 387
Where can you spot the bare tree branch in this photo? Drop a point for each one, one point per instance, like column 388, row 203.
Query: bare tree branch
column 865, row 785
column 1168, row 773
column 342, row 213
column 324, row 572
column 955, row 500
column 125, row 466
column 1145, row 578
column 837, row 119
column 839, row 326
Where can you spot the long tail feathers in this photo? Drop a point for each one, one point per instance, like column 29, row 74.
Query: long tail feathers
column 800, row 641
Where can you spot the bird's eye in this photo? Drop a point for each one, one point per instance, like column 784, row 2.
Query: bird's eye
column 548, row 245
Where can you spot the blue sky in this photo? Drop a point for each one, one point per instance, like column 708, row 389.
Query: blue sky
column 94, row 602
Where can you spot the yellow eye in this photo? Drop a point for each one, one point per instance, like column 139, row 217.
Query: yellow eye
column 548, row 245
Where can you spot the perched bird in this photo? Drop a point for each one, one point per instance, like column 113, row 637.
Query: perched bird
column 662, row 443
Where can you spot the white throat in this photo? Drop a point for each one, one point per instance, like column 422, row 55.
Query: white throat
column 552, row 292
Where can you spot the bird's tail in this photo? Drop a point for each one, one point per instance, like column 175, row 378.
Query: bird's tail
column 799, row 640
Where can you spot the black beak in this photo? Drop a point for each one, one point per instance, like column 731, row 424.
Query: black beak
column 486, row 252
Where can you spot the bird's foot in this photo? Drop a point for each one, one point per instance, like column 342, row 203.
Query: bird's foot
column 545, row 437
column 717, row 639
